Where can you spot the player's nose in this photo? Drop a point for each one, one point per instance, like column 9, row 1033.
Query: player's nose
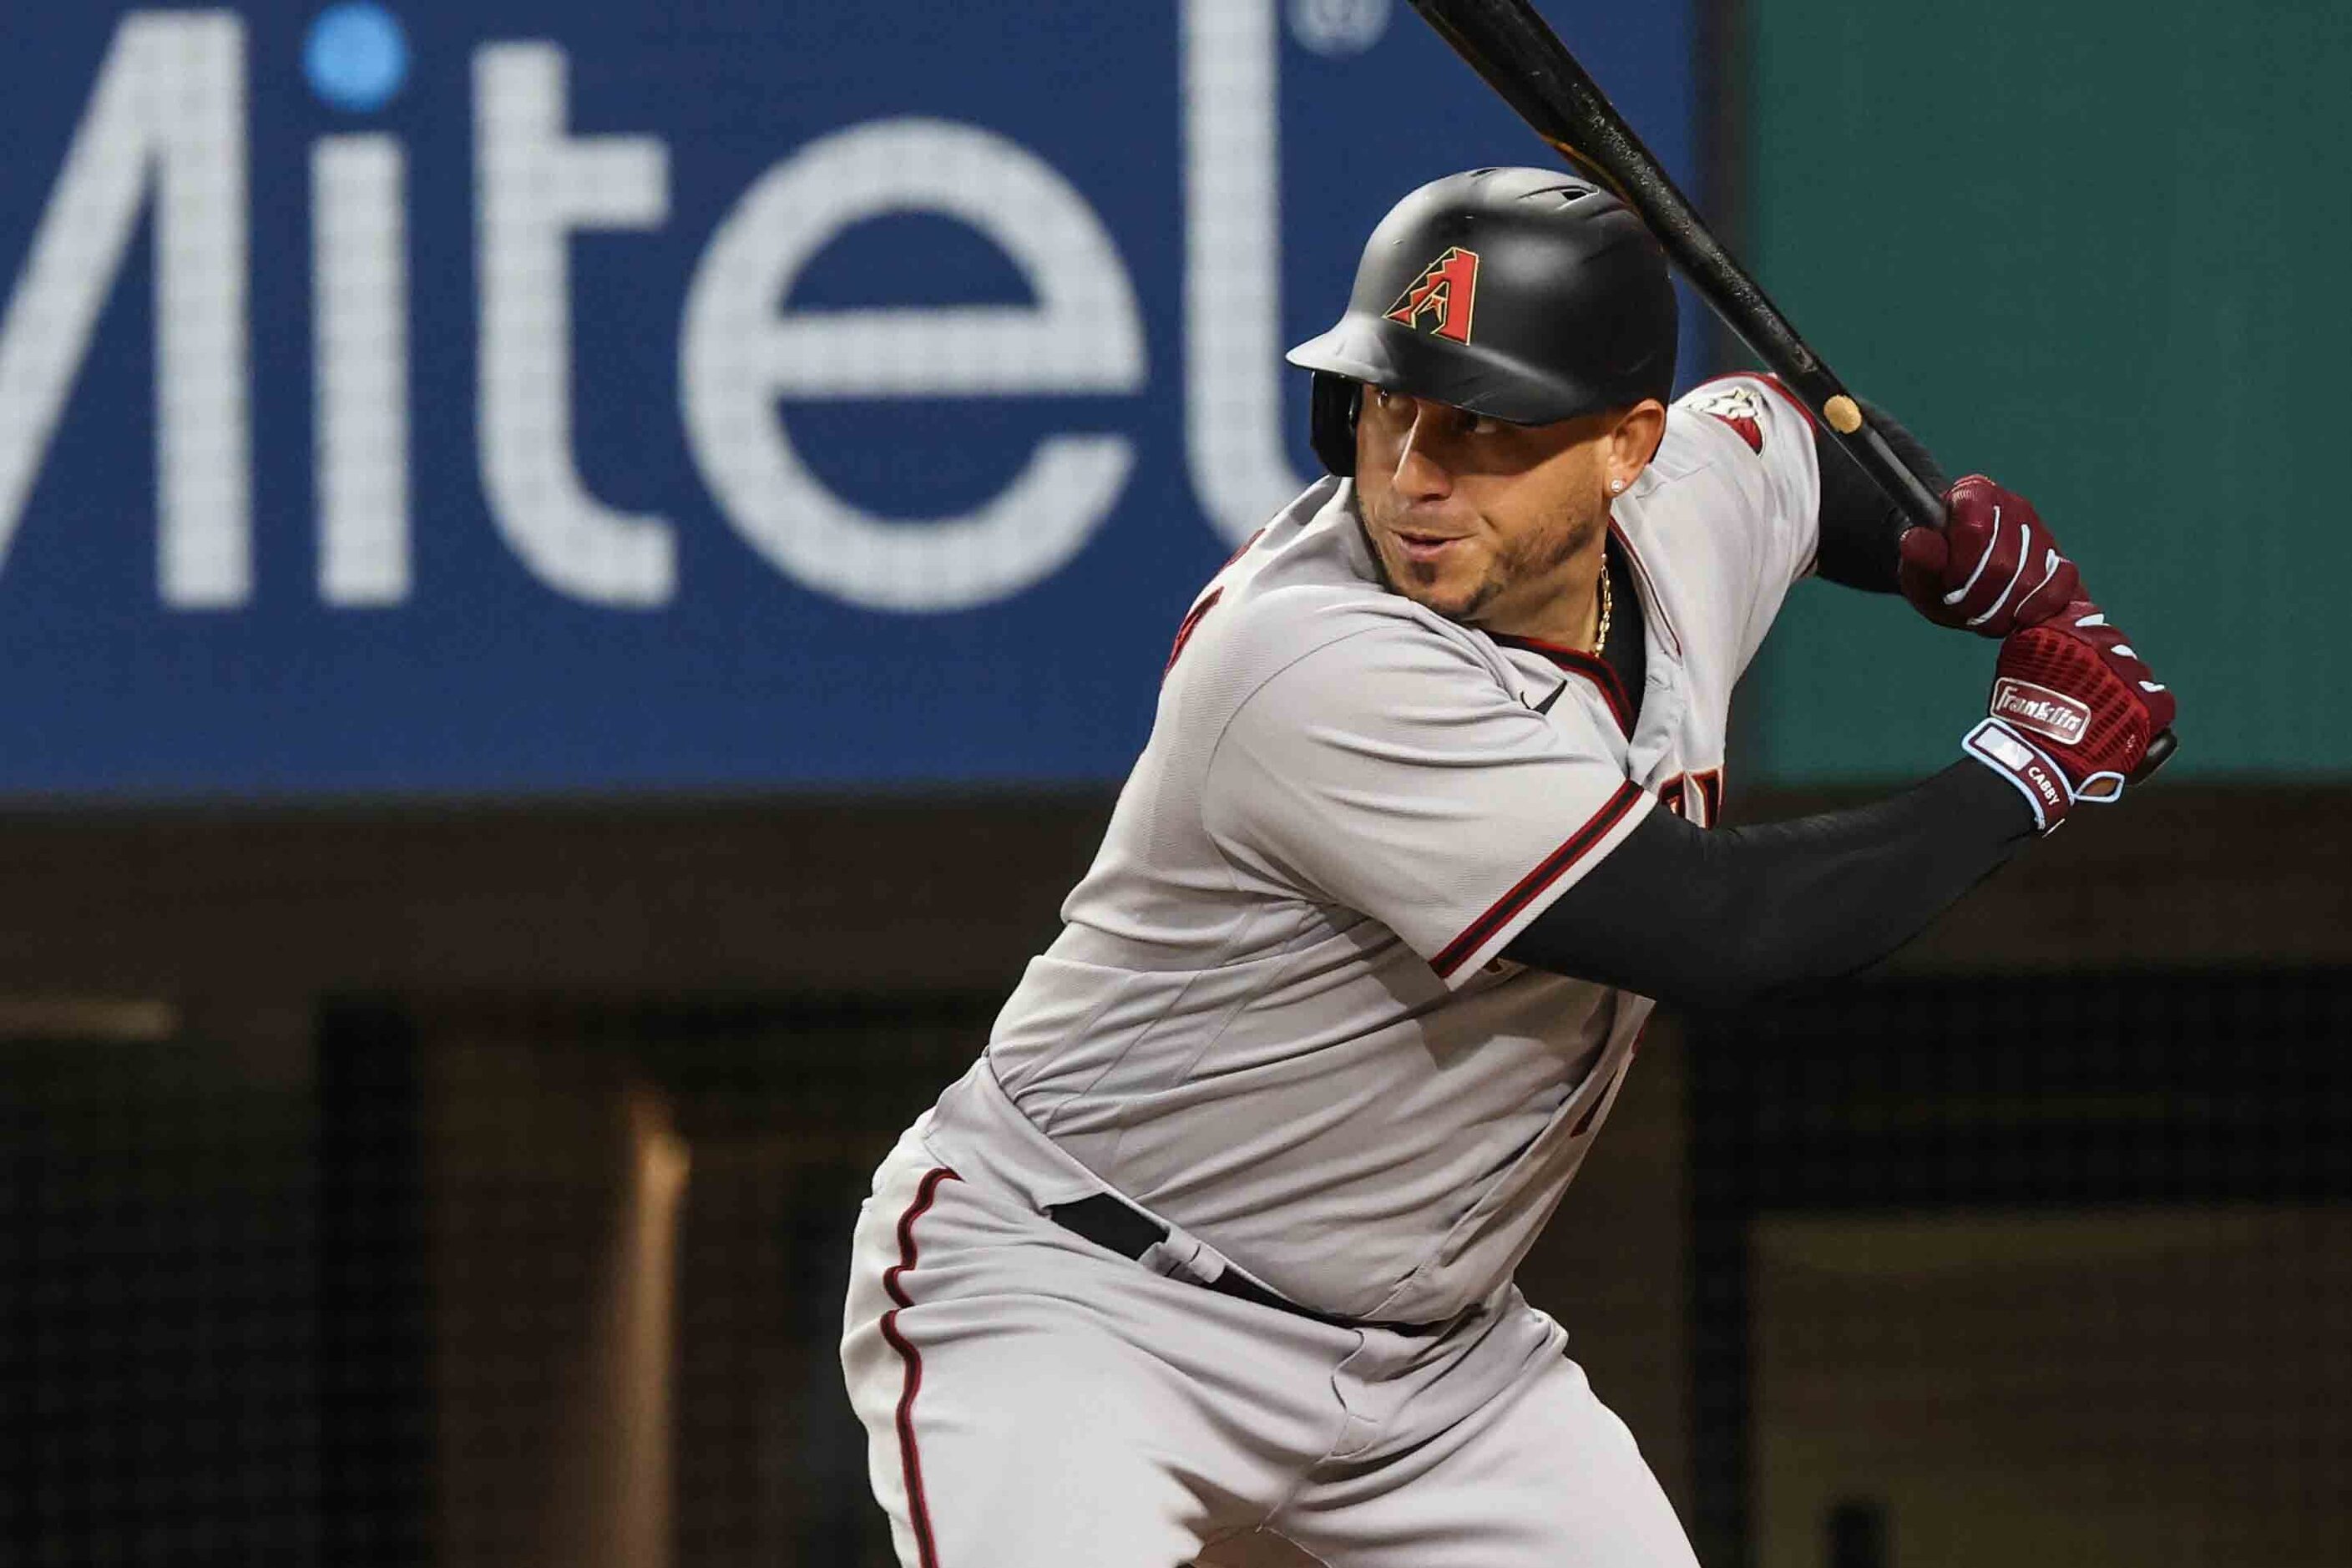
column 1421, row 471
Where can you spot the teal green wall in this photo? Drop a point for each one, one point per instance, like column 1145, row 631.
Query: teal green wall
column 2099, row 251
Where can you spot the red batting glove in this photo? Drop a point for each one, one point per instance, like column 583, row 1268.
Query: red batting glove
column 1994, row 567
column 2073, row 711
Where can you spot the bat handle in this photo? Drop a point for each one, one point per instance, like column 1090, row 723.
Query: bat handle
column 2159, row 752
column 1925, row 508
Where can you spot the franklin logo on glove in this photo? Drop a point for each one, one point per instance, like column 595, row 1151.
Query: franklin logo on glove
column 2045, row 712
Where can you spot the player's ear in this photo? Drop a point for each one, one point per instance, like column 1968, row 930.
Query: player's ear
column 1634, row 440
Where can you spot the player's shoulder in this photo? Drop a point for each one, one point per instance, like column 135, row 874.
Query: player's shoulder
column 1303, row 599
column 1762, row 414
column 1330, row 632
column 1739, row 443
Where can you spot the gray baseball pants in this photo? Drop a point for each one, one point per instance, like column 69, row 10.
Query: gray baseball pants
column 1032, row 1400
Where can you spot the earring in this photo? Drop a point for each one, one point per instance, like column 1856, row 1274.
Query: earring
column 1616, row 484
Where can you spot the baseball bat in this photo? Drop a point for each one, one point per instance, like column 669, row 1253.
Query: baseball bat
column 1515, row 49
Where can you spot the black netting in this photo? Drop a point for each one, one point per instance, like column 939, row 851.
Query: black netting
column 368, row 1316
column 1982, row 1270
column 2043, row 1267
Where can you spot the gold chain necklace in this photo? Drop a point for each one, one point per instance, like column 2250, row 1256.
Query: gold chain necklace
column 1600, row 638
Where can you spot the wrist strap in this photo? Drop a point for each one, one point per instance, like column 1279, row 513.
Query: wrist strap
column 2032, row 774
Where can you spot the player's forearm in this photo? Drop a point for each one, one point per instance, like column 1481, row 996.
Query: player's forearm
column 1859, row 525
column 1711, row 918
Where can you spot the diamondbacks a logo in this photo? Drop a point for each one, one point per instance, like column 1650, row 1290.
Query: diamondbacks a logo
column 1447, row 289
column 2050, row 714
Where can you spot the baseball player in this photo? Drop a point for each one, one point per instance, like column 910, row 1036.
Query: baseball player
column 1218, row 1236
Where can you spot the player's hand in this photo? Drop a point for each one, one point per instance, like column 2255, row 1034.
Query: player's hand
column 1994, row 567
column 2073, row 709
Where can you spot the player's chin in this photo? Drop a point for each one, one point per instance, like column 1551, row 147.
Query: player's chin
column 1448, row 574
column 1455, row 598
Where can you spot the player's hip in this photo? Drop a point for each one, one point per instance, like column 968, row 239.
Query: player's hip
column 1027, row 1402
column 973, row 1319
column 948, row 1255
column 1343, row 1228
column 961, row 1250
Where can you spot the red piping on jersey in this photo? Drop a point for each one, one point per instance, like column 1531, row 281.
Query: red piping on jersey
column 1577, row 662
column 1646, row 587
column 1584, row 1122
column 1592, row 667
column 1710, row 790
column 1555, row 866
column 1190, row 623
column 919, row 1511
column 1245, row 549
column 1192, row 620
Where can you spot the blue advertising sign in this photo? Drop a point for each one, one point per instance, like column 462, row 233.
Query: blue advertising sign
column 525, row 397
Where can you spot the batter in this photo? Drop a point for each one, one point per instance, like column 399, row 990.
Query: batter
column 1218, row 1236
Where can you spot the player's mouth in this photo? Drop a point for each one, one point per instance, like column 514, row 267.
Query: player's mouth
column 1424, row 549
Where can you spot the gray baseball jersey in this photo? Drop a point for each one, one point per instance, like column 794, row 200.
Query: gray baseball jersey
column 1276, row 1017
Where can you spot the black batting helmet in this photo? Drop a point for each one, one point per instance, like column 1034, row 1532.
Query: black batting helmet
column 1528, row 295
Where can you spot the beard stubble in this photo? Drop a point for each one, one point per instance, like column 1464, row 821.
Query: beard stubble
column 1530, row 555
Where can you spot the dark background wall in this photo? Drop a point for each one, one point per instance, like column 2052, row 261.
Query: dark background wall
column 339, row 1137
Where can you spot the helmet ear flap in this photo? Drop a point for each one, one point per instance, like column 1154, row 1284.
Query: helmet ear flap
column 1331, row 405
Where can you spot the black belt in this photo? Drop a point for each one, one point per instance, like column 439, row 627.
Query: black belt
column 1120, row 1228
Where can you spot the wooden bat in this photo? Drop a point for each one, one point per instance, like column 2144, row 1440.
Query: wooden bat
column 1520, row 57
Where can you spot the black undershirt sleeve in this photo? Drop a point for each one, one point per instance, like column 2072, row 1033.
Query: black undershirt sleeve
column 1712, row 917
column 1859, row 525
column 1709, row 919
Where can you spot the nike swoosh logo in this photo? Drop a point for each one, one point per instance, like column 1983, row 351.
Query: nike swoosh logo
column 1545, row 706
